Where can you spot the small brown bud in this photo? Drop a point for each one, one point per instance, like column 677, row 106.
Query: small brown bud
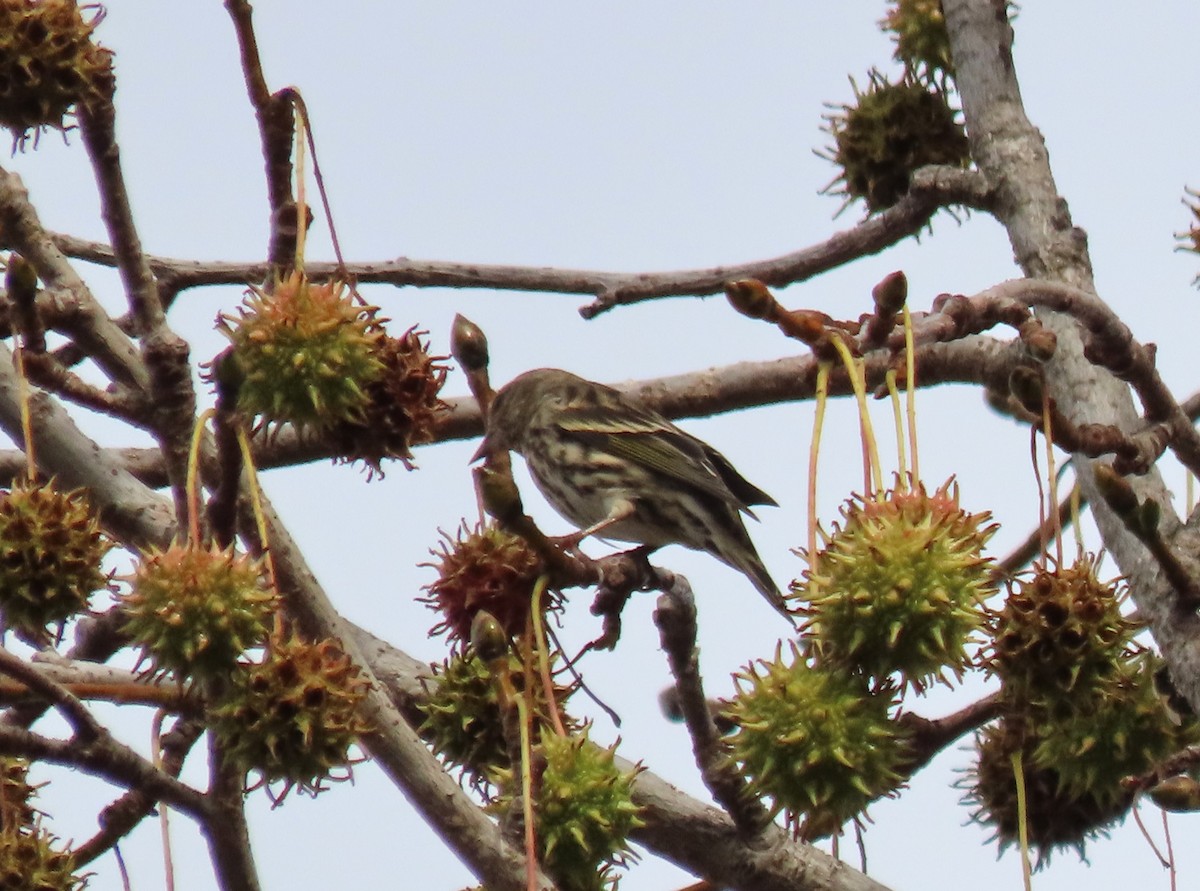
column 488, row 638
column 468, row 344
column 752, row 298
column 890, row 294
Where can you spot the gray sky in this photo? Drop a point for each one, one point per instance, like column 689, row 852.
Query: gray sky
column 631, row 137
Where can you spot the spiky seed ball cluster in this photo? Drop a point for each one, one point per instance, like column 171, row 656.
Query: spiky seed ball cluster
column 196, row 610
column 482, row 569
column 48, row 63
column 898, row 589
column 1059, row 634
column 51, row 549
column 583, row 804
column 293, row 717
column 1054, row 818
column 922, row 42
column 463, row 721
column 1078, row 702
column 816, row 742
column 402, row 406
column 305, row 353
column 890, row 131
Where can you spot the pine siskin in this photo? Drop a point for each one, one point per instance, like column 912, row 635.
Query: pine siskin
column 618, row 469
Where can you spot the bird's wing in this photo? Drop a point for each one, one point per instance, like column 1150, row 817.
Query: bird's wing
column 653, row 442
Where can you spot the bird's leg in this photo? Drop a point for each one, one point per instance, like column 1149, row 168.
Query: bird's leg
column 620, row 510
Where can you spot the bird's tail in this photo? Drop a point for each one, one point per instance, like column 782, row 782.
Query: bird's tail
column 747, row 561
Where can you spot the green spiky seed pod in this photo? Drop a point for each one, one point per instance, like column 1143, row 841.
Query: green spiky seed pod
column 51, row 550
column 483, row 569
column 402, row 408
column 305, row 353
column 1060, row 632
column 1117, row 731
column 899, row 587
column 1055, row 818
column 15, row 795
column 922, row 43
column 30, row 859
column 463, row 720
column 48, row 64
column 890, row 131
column 293, row 717
column 195, row 611
column 816, row 742
column 584, row 810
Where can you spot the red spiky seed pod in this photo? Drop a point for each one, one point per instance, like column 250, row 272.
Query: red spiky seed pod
column 483, row 569
column 402, row 406
column 48, row 63
column 305, row 353
column 51, row 550
column 898, row 591
column 195, row 611
column 292, row 717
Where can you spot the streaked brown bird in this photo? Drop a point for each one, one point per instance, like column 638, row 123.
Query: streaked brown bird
column 619, row 470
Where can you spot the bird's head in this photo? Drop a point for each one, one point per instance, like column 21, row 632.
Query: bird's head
column 513, row 408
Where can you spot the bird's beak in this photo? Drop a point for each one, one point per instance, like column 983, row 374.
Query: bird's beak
column 484, row 450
